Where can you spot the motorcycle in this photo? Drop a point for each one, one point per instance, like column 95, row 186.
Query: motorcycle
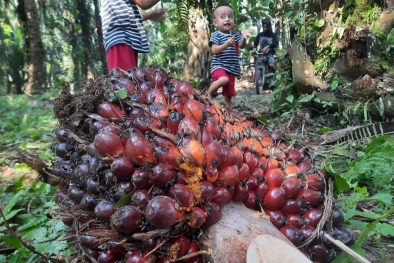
column 261, row 70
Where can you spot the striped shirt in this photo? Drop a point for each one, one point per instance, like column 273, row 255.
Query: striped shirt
column 228, row 59
column 122, row 23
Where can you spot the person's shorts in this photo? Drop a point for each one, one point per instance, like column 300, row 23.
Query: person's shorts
column 271, row 59
column 122, row 56
column 229, row 88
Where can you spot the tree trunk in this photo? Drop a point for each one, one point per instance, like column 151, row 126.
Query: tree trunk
column 198, row 55
column 100, row 36
column 83, row 18
column 36, row 55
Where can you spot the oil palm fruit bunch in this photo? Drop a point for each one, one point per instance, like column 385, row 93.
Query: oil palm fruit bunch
column 149, row 162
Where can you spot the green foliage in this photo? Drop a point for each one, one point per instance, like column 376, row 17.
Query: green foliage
column 28, row 212
column 367, row 180
column 25, row 124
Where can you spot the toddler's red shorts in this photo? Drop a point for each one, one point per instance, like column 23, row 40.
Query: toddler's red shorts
column 122, row 56
column 229, row 88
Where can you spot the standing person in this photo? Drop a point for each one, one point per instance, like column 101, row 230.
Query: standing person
column 225, row 44
column 123, row 30
column 268, row 42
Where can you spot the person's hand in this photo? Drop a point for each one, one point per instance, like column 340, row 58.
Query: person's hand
column 247, row 33
column 158, row 15
column 230, row 42
column 265, row 49
column 251, row 46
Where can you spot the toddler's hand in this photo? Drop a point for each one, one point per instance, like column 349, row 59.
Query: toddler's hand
column 158, row 15
column 230, row 42
column 247, row 33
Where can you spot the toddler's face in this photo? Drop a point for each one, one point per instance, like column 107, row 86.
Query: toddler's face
column 224, row 19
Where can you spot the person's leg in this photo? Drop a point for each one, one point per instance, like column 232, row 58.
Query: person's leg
column 122, row 56
column 219, row 79
column 229, row 90
column 271, row 63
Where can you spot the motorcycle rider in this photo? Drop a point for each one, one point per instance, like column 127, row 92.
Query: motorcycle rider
column 267, row 42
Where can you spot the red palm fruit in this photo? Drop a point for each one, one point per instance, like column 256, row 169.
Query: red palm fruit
column 229, row 158
column 207, row 191
column 116, row 246
column 258, row 173
column 61, row 135
column 276, row 217
column 83, row 170
column 319, row 252
column 156, row 96
column 109, row 144
column 168, row 155
column 215, row 154
column 139, row 151
column 136, row 112
column 292, row 233
column 313, row 216
column 122, row 168
column 159, row 141
column 89, row 202
column 310, row 197
column 186, row 89
column 213, row 127
column 206, row 138
column 192, row 249
column 307, row 232
column 178, row 247
column 182, row 194
column 174, row 119
column 161, row 175
column 132, row 87
column 93, row 186
column 192, row 152
column 295, row 220
column 337, row 217
column 214, row 213
column 195, row 109
column 141, row 198
column 266, row 141
column 114, row 128
column 238, row 156
column 140, row 178
column 158, row 80
column 110, row 178
column 274, row 177
column 177, row 102
column 252, row 182
column 251, row 160
column 261, row 190
column 227, row 176
column 274, row 199
column 222, row 195
column 162, row 212
column 314, row 181
column 127, row 220
column 304, row 166
column 292, row 187
column 145, row 122
column 291, row 206
column 262, row 163
column 110, row 111
column 228, row 130
column 189, row 127
column 272, row 163
column 76, row 194
column 151, row 243
column 125, row 187
column 211, row 111
column 105, row 209
column 241, row 191
column 159, row 111
column 196, row 218
column 107, row 257
column 139, row 256
column 143, row 90
column 211, row 174
column 294, row 156
column 252, row 201
column 292, row 169
column 91, row 242
column 243, row 172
